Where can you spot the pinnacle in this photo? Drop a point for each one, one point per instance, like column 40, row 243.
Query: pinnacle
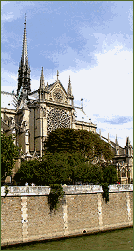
column 42, row 82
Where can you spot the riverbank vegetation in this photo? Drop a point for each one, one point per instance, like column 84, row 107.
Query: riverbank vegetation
column 9, row 152
column 71, row 157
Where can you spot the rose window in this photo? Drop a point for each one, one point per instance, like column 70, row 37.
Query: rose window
column 57, row 119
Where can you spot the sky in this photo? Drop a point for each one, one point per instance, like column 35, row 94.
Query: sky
column 91, row 41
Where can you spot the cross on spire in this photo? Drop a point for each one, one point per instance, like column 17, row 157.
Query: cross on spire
column 57, row 74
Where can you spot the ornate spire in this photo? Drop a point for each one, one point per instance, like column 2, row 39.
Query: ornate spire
column 24, row 68
column 24, row 50
column 42, row 82
column 69, row 91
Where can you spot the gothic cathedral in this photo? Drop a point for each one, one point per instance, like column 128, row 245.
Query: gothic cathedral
column 31, row 116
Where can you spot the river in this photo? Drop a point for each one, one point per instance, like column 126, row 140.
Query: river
column 114, row 240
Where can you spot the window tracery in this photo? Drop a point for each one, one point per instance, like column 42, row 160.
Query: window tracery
column 57, row 118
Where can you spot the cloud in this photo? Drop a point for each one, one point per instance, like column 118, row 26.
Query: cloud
column 7, row 16
column 8, row 77
column 117, row 120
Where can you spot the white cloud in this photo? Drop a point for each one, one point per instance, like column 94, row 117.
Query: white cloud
column 8, row 77
column 8, row 88
column 7, row 16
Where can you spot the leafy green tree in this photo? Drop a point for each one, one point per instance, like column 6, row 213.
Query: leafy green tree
column 84, row 142
column 109, row 174
column 8, row 154
column 28, row 172
column 57, row 168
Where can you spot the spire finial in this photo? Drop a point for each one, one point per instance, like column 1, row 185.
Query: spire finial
column 24, row 50
column 57, row 74
column 25, row 20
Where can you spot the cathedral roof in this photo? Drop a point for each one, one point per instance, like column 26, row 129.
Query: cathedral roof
column 80, row 115
column 7, row 100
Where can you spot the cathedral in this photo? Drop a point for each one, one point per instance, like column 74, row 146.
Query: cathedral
column 32, row 115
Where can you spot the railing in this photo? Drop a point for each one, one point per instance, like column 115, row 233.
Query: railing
column 68, row 189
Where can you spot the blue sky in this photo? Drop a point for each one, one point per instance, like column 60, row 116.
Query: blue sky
column 91, row 41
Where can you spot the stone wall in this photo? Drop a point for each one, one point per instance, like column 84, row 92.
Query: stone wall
column 25, row 214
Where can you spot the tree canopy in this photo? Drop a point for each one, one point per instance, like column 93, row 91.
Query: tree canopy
column 8, row 154
column 87, row 143
column 54, row 168
column 64, row 168
column 69, row 159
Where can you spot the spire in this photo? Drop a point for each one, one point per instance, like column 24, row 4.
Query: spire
column 127, row 141
column 24, row 68
column 57, row 74
column 116, row 141
column 69, row 88
column 24, row 50
column 42, row 82
column 108, row 138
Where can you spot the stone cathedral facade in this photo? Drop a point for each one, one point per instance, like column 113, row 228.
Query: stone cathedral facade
column 39, row 112
column 31, row 116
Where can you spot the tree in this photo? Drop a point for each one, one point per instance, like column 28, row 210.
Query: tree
column 84, row 142
column 28, row 172
column 109, row 174
column 8, row 154
column 57, row 168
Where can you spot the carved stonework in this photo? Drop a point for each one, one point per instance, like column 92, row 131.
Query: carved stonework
column 43, row 110
column 57, row 118
column 50, row 96
column 58, row 95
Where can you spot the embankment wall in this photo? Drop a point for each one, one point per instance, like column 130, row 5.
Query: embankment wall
column 26, row 217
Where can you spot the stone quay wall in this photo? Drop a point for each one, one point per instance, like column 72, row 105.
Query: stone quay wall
column 26, row 217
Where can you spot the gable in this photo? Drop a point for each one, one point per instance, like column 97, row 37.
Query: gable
column 57, row 93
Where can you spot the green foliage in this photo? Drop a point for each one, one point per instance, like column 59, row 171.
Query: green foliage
column 109, row 177
column 109, row 174
column 28, row 172
column 57, row 168
column 6, row 190
column 87, row 143
column 69, row 160
column 8, row 154
column 105, row 191
column 54, row 197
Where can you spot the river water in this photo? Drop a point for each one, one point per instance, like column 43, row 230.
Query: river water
column 114, row 240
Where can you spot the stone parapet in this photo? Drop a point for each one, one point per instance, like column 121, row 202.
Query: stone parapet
column 79, row 189
column 120, row 188
column 68, row 189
